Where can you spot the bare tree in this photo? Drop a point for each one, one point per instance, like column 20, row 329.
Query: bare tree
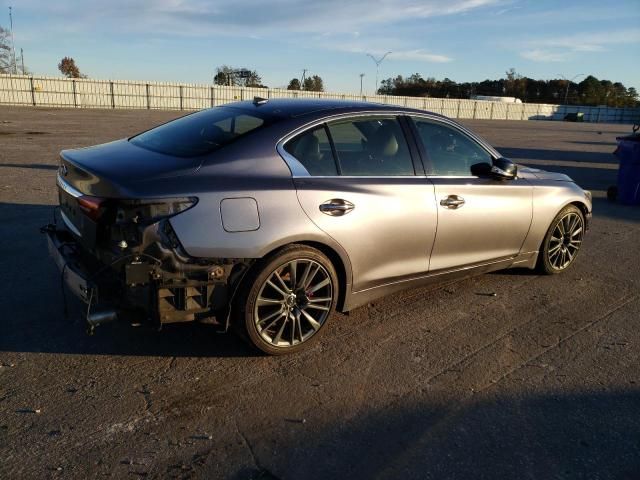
column 6, row 62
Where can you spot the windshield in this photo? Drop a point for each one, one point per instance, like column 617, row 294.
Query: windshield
column 199, row 133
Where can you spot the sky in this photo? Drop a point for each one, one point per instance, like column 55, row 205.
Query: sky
column 464, row 40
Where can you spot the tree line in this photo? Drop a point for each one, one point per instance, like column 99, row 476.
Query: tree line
column 590, row 91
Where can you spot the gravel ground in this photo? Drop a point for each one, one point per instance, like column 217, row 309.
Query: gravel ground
column 540, row 381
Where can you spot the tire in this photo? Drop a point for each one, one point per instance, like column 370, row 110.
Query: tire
column 278, row 317
column 562, row 242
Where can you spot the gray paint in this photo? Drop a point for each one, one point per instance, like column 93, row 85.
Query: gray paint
column 397, row 236
column 239, row 214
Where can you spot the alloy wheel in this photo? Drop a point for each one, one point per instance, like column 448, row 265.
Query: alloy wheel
column 565, row 240
column 293, row 303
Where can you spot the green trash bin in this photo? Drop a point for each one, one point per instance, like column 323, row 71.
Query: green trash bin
column 574, row 117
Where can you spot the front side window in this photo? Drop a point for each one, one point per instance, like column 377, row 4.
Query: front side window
column 450, row 152
column 371, row 147
column 199, row 133
column 313, row 150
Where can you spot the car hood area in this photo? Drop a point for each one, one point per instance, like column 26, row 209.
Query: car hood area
column 105, row 170
column 536, row 173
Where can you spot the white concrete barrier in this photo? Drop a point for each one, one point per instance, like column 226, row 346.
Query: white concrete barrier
column 124, row 94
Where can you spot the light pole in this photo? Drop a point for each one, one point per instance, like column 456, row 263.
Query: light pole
column 566, row 93
column 378, row 61
column 13, row 43
column 361, row 75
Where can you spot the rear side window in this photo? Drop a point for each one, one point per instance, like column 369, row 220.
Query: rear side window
column 313, row 150
column 450, row 152
column 371, row 147
column 199, row 133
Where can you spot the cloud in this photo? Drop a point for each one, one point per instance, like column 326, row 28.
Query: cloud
column 421, row 56
column 380, row 45
column 561, row 48
column 543, row 56
column 236, row 17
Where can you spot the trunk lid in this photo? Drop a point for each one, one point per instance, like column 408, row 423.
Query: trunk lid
column 112, row 169
column 89, row 176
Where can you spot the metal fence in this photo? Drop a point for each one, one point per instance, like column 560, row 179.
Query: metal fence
column 123, row 94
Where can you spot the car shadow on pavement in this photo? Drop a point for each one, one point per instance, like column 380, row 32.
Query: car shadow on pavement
column 569, row 436
column 558, row 155
column 588, row 176
column 37, row 166
column 611, row 143
column 32, row 301
column 590, row 170
column 33, row 318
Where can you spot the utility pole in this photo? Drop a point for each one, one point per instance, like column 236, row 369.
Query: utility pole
column 378, row 61
column 304, row 73
column 22, row 60
column 569, row 82
column 13, row 43
column 361, row 75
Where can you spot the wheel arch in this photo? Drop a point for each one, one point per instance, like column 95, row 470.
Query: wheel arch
column 576, row 203
column 341, row 265
column 344, row 278
column 581, row 205
column 545, row 266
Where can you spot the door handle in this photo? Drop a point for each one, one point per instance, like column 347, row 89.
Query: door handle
column 336, row 207
column 452, row 202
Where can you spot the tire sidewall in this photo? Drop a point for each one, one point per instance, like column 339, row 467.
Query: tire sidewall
column 544, row 265
column 261, row 272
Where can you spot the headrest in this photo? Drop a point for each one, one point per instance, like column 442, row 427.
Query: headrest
column 307, row 147
column 384, row 142
column 439, row 141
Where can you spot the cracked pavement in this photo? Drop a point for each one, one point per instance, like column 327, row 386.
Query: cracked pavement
column 541, row 380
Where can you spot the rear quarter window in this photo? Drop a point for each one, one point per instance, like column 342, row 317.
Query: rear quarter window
column 313, row 151
column 199, row 133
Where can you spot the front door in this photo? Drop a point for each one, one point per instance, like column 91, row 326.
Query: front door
column 480, row 220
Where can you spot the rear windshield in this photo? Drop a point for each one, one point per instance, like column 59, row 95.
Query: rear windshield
column 199, row 133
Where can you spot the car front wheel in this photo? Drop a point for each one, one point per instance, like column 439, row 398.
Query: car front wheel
column 562, row 242
column 287, row 300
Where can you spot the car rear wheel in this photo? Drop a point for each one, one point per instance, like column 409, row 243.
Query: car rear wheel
column 562, row 242
column 287, row 300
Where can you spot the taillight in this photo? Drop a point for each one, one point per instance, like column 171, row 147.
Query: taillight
column 91, row 206
column 149, row 211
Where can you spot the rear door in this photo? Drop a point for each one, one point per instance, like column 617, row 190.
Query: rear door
column 358, row 183
column 480, row 220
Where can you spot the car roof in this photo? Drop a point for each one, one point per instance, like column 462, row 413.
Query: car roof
column 298, row 107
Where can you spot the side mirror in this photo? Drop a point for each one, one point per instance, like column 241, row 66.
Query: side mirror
column 504, row 168
column 501, row 168
column 481, row 169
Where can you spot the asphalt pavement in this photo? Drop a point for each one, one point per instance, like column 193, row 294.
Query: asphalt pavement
column 540, row 381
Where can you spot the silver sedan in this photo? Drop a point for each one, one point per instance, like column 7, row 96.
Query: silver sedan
column 266, row 216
